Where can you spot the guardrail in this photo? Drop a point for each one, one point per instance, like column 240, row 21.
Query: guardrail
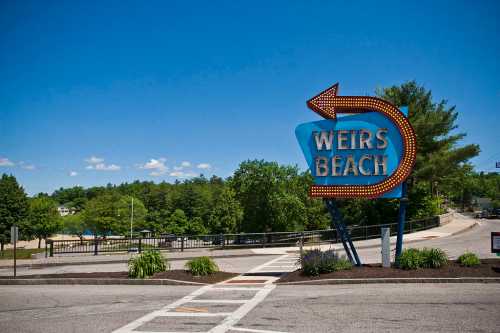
column 222, row 241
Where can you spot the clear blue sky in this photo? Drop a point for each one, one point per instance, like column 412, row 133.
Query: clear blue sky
column 101, row 91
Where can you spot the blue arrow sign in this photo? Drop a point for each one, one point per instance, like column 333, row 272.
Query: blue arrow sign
column 356, row 149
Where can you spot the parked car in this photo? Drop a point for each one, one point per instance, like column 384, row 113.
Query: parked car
column 494, row 214
column 482, row 214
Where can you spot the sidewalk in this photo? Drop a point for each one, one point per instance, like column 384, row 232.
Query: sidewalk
column 458, row 224
column 83, row 259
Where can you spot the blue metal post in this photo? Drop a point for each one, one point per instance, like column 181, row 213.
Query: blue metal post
column 349, row 248
column 403, row 202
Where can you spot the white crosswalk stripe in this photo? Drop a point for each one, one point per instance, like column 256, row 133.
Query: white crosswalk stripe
column 257, row 288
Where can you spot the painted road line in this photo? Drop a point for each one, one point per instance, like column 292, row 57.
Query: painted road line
column 165, row 332
column 236, row 316
column 195, row 314
column 220, row 301
column 231, row 318
column 255, row 269
column 284, row 266
column 241, row 329
column 130, row 327
column 238, row 288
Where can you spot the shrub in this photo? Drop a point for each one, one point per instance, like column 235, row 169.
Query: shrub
column 342, row 264
column 469, row 259
column 202, row 266
column 311, row 262
column 410, row 259
column 433, row 258
column 146, row 264
column 315, row 262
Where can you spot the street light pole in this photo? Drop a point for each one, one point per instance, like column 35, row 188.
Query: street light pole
column 131, row 220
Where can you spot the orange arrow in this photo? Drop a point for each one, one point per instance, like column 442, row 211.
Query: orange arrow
column 328, row 104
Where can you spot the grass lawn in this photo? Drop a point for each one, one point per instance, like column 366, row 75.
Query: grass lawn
column 21, row 253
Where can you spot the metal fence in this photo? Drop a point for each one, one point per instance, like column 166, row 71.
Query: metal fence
column 222, row 241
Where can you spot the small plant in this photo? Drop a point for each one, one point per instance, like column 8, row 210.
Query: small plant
column 410, row 259
column 433, row 258
column 311, row 262
column 146, row 264
column 469, row 259
column 315, row 262
column 202, row 266
column 343, row 264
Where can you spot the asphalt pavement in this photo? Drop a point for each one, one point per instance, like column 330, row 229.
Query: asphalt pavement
column 379, row 308
column 345, row 308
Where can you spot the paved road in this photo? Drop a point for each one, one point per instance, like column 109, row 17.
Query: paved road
column 349, row 308
column 62, row 309
column 379, row 308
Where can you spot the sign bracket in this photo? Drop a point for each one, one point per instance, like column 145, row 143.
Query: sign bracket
column 342, row 230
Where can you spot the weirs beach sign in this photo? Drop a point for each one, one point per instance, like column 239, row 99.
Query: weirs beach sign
column 365, row 147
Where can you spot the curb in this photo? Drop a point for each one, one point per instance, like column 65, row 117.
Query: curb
column 100, row 281
column 475, row 224
column 394, row 280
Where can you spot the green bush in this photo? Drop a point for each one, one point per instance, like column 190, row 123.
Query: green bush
column 146, row 264
column 410, row 259
column 202, row 266
column 342, row 264
column 315, row 262
column 433, row 258
column 469, row 259
column 425, row 258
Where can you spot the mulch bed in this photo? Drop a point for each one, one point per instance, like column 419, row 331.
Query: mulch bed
column 176, row 274
column 488, row 268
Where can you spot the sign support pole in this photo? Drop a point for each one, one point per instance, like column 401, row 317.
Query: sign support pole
column 403, row 202
column 15, row 263
column 341, row 228
column 14, row 235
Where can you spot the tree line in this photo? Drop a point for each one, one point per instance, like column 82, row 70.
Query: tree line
column 260, row 196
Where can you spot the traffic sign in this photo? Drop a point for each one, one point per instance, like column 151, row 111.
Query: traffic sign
column 14, row 234
column 495, row 242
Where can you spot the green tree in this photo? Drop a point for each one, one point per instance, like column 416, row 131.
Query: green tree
column 257, row 185
column 110, row 213
column 13, row 206
column 74, row 197
column 226, row 214
column 73, row 225
column 195, row 227
column 177, row 223
column 288, row 212
column 439, row 155
column 43, row 218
